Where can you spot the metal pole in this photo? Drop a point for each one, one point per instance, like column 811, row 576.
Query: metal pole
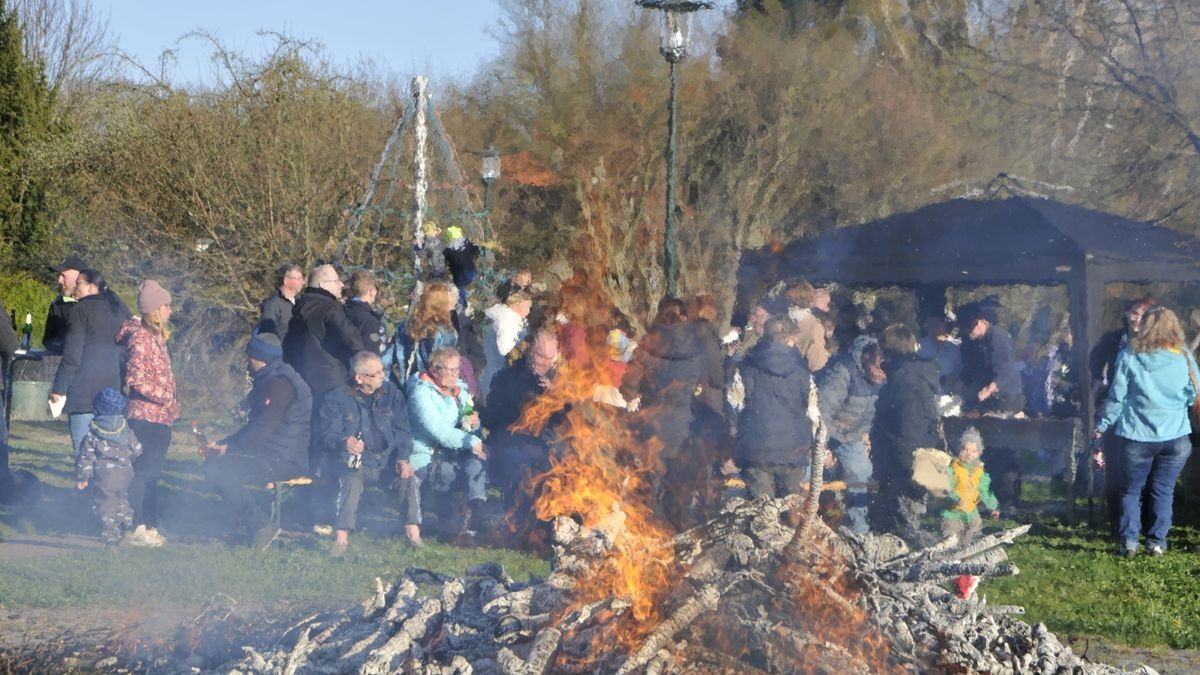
column 669, row 229
column 487, row 205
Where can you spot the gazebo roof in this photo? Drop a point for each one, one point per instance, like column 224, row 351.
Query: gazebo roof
column 1017, row 240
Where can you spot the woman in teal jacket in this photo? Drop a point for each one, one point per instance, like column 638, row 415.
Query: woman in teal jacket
column 447, row 449
column 1147, row 408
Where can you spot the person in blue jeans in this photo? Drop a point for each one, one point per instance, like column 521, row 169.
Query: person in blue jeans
column 1147, row 405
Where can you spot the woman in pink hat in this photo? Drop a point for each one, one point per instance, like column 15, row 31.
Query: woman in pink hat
column 152, row 404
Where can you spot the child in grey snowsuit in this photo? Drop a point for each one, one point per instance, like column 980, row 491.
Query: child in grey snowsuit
column 106, row 462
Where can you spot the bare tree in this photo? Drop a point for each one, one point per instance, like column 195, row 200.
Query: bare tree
column 71, row 41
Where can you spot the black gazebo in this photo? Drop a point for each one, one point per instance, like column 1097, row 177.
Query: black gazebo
column 1017, row 240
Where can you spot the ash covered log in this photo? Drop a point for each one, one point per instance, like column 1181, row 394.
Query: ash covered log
column 823, row 601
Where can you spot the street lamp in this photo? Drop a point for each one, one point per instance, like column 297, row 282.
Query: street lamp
column 676, row 32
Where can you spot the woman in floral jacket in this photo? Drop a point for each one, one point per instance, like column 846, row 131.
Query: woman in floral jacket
column 152, row 404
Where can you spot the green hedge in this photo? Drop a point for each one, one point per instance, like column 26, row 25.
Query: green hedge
column 24, row 294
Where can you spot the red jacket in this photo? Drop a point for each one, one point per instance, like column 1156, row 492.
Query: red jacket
column 148, row 375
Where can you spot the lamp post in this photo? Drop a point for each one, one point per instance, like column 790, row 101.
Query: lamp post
column 490, row 170
column 676, row 32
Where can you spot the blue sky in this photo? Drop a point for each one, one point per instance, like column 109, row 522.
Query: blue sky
column 439, row 38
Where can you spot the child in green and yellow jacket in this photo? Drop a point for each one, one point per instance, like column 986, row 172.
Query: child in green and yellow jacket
column 969, row 485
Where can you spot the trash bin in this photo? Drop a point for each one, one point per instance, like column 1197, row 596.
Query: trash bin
column 32, row 375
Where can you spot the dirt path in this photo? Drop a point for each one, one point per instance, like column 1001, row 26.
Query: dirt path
column 27, row 546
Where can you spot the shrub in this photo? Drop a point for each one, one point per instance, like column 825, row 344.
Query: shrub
column 22, row 294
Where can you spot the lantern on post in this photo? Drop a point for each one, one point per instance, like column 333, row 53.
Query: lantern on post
column 674, row 42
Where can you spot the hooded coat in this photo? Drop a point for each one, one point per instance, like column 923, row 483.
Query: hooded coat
column 906, row 416
column 1150, row 395
column 665, row 371
column 148, row 375
column 320, row 341
column 774, row 427
column 91, row 356
column 280, row 417
column 846, row 397
column 109, row 444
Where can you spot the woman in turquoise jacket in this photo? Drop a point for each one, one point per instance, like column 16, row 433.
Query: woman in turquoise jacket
column 447, row 449
column 1147, row 408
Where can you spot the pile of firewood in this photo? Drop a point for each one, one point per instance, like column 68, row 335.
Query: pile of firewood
column 765, row 586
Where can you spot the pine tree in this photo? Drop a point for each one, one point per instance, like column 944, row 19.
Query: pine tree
column 26, row 124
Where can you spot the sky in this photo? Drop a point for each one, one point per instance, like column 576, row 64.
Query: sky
column 438, row 38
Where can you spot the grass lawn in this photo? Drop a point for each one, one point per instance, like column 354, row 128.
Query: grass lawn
column 197, row 564
column 1070, row 580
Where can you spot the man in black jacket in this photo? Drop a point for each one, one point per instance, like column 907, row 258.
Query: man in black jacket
column 320, row 341
column 906, row 418
column 358, row 309
column 60, row 309
column 515, row 456
column 273, row 445
column 991, row 383
column 774, row 438
column 277, row 308
column 365, row 426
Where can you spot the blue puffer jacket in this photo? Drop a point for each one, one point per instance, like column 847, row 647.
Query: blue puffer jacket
column 1150, row 395
column 434, row 419
column 774, row 427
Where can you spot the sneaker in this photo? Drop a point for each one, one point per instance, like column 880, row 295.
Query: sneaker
column 1128, row 552
column 1154, row 550
column 140, row 537
column 265, row 536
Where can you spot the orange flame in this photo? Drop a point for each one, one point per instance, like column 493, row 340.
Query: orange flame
column 600, row 477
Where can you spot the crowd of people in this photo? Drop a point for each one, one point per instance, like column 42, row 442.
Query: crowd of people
column 340, row 397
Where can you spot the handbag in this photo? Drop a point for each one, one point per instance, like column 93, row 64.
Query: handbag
column 930, row 464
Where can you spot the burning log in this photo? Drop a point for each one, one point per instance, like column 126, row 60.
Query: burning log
column 848, row 604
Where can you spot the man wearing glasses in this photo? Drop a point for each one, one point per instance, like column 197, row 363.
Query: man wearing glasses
column 364, row 426
column 277, row 308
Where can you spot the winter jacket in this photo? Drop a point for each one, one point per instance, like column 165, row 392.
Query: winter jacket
column 58, row 317
column 280, row 416
column 276, row 313
column 504, row 330
column 369, row 323
column 906, row 416
column 385, row 429
column 846, row 397
column 320, row 341
column 970, row 485
column 148, row 376
column 712, row 363
column 404, row 360
column 989, row 359
column 664, row 373
column 109, row 444
column 513, row 389
column 774, row 427
column 460, row 259
column 434, row 418
column 91, row 357
column 1102, row 360
column 1150, row 394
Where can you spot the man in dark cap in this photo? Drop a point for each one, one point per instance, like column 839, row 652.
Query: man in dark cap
column 273, row 445
column 60, row 310
column 991, row 384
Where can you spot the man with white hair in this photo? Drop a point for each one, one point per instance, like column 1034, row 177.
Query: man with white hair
column 320, row 341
